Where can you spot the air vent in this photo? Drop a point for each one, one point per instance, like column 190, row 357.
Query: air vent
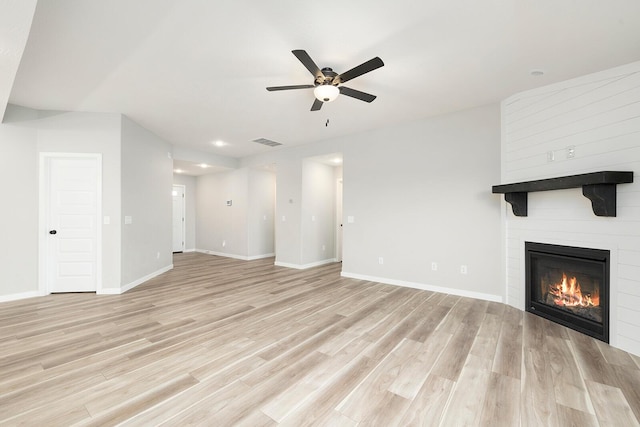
column 265, row 141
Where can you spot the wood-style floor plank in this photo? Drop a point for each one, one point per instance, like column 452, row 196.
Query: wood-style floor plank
column 499, row 408
column 610, row 405
column 427, row 408
column 219, row 341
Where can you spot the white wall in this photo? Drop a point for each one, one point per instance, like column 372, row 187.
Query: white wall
column 190, row 183
column 599, row 115
column 222, row 229
column 19, row 216
column 239, row 230
column 318, row 213
column 147, row 177
column 260, row 216
column 69, row 132
column 288, row 210
column 419, row 193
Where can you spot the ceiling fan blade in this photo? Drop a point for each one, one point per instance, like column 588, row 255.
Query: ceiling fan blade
column 362, row 96
column 272, row 88
column 306, row 60
column 361, row 69
column 317, row 104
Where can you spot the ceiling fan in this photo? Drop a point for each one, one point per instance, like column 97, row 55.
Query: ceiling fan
column 327, row 84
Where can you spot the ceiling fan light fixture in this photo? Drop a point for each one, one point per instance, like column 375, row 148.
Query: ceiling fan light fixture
column 326, row 92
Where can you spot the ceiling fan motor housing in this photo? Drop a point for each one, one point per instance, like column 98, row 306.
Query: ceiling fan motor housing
column 327, row 77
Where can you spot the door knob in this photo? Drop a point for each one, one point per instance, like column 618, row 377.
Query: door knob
column 53, row 232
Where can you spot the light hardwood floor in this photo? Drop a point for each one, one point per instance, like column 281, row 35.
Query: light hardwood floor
column 219, row 341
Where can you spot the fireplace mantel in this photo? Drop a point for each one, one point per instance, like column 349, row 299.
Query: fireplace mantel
column 599, row 187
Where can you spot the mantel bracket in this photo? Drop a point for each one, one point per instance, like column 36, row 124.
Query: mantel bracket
column 603, row 198
column 518, row 201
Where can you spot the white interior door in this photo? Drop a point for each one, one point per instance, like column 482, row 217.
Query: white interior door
column 178, row 218
column 73, row 208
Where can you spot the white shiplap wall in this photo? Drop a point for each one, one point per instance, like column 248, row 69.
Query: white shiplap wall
column 599, row 116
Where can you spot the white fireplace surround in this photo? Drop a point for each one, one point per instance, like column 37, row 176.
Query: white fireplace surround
column 597, row 117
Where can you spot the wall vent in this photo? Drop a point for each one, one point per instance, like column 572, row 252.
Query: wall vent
column 265, row 141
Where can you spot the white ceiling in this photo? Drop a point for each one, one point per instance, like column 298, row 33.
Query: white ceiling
column 196, row 169
column 195, row 71
column 15, row 22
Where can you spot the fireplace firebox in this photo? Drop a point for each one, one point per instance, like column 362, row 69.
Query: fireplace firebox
column 570, row 286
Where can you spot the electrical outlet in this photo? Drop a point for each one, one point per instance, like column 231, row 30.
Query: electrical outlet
column 224, row 243
column 324, row 248
column 158, row 255
column 463, row 269
column 380, row 260
column 434, row 266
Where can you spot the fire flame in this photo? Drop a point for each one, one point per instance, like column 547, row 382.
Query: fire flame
column 568, row 294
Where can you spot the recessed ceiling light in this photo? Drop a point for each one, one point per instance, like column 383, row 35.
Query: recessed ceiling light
column 219, row 143
column 203, row 165
column 178, row 170
column 337, row 160
column 536, row 72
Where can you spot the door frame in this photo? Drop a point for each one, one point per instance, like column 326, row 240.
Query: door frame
column 44, row 197
column 184, row 216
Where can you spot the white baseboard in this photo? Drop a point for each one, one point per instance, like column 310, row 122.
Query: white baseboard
column 425, row 287
column 228, row 255
column 252, row 257
column 129, row 286
column 305, row 266
column 21, row 295
column 189, row 250
column 109, row 291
